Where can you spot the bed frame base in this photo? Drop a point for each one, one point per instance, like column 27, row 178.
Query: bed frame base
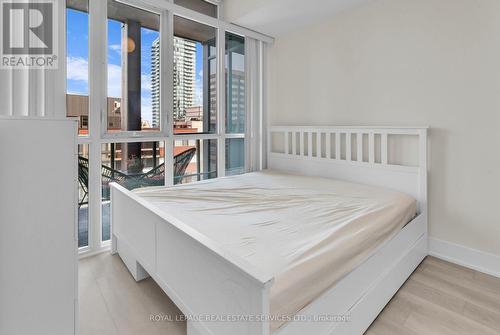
column 361, row 295
column 374, row 301
column 364, row 292
column 361, row 314
column 201, row 278
column 128, row 258
column 198, row 277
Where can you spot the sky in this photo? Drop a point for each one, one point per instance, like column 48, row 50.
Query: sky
column 77, row 58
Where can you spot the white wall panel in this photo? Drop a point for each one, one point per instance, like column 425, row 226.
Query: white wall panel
column 38, row 247
column 5, row 92
column 41, row 92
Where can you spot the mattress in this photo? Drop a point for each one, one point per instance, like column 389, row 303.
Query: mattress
column 308, row 232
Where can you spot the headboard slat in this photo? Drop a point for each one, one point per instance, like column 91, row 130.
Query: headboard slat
column 375, row 170
column 359, row 142
column 371, row 148
column 287, row 145
column 348, row 146
column 384, row 149
column 337, row 145
column 328, row 145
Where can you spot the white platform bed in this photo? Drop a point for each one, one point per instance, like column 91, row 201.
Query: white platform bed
column 285, row 244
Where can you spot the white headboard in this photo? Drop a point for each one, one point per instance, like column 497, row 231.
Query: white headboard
column 357, row 154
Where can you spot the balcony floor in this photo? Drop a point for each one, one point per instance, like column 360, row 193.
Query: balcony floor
column 83, row 224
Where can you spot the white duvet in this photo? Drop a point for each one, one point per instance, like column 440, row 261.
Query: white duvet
column 309, row 232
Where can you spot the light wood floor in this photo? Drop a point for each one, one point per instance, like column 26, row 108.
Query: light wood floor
column 439, row 298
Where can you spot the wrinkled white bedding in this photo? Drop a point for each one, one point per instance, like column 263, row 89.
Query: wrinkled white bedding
column 309, row 232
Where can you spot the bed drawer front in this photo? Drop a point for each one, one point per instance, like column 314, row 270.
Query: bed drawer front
column 202, row 283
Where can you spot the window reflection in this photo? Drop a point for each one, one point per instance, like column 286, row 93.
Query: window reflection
column 235, row 83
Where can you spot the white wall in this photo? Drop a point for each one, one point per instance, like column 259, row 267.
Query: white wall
column 407, row 62
column 234, row 9
column 277, row 17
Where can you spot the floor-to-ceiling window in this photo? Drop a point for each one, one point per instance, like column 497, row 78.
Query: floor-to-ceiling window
column 118, row 164
column 133, row 103
column 194, row 101
column 77, row 101
column 235, row 103
column 133, row 45
column 160, row 95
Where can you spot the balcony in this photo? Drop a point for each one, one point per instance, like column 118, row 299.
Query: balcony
column 194, row 160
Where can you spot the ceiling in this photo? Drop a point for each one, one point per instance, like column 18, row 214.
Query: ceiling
column 278, row 17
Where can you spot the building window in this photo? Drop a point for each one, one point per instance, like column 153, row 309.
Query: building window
column 235, row 103
column 77, row 101
column 204, row 140
column 83, row 195
column 194, row 160
column 235, row 84
column 84, row 121
column 235, row 156
column 77, row 81
column 133, row 69
column 194, row 82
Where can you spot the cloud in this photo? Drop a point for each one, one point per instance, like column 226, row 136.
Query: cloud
column 114, row 81
column 78, row 69
column 198, row 93
column 145, row 82
column 116, row 48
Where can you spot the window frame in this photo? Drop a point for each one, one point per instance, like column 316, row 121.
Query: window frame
column 164, row 42
column 97, row 116
column 87, row 135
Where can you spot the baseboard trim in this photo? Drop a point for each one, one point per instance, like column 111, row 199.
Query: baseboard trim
column 86, row 254
column 465, row 256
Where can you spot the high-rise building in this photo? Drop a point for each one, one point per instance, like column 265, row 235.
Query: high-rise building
column 155, row 83
column 184, row 78
column 184, row 91
column 235, row 101
column 184, row 75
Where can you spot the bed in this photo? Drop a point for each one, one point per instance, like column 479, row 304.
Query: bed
column 317, row 244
